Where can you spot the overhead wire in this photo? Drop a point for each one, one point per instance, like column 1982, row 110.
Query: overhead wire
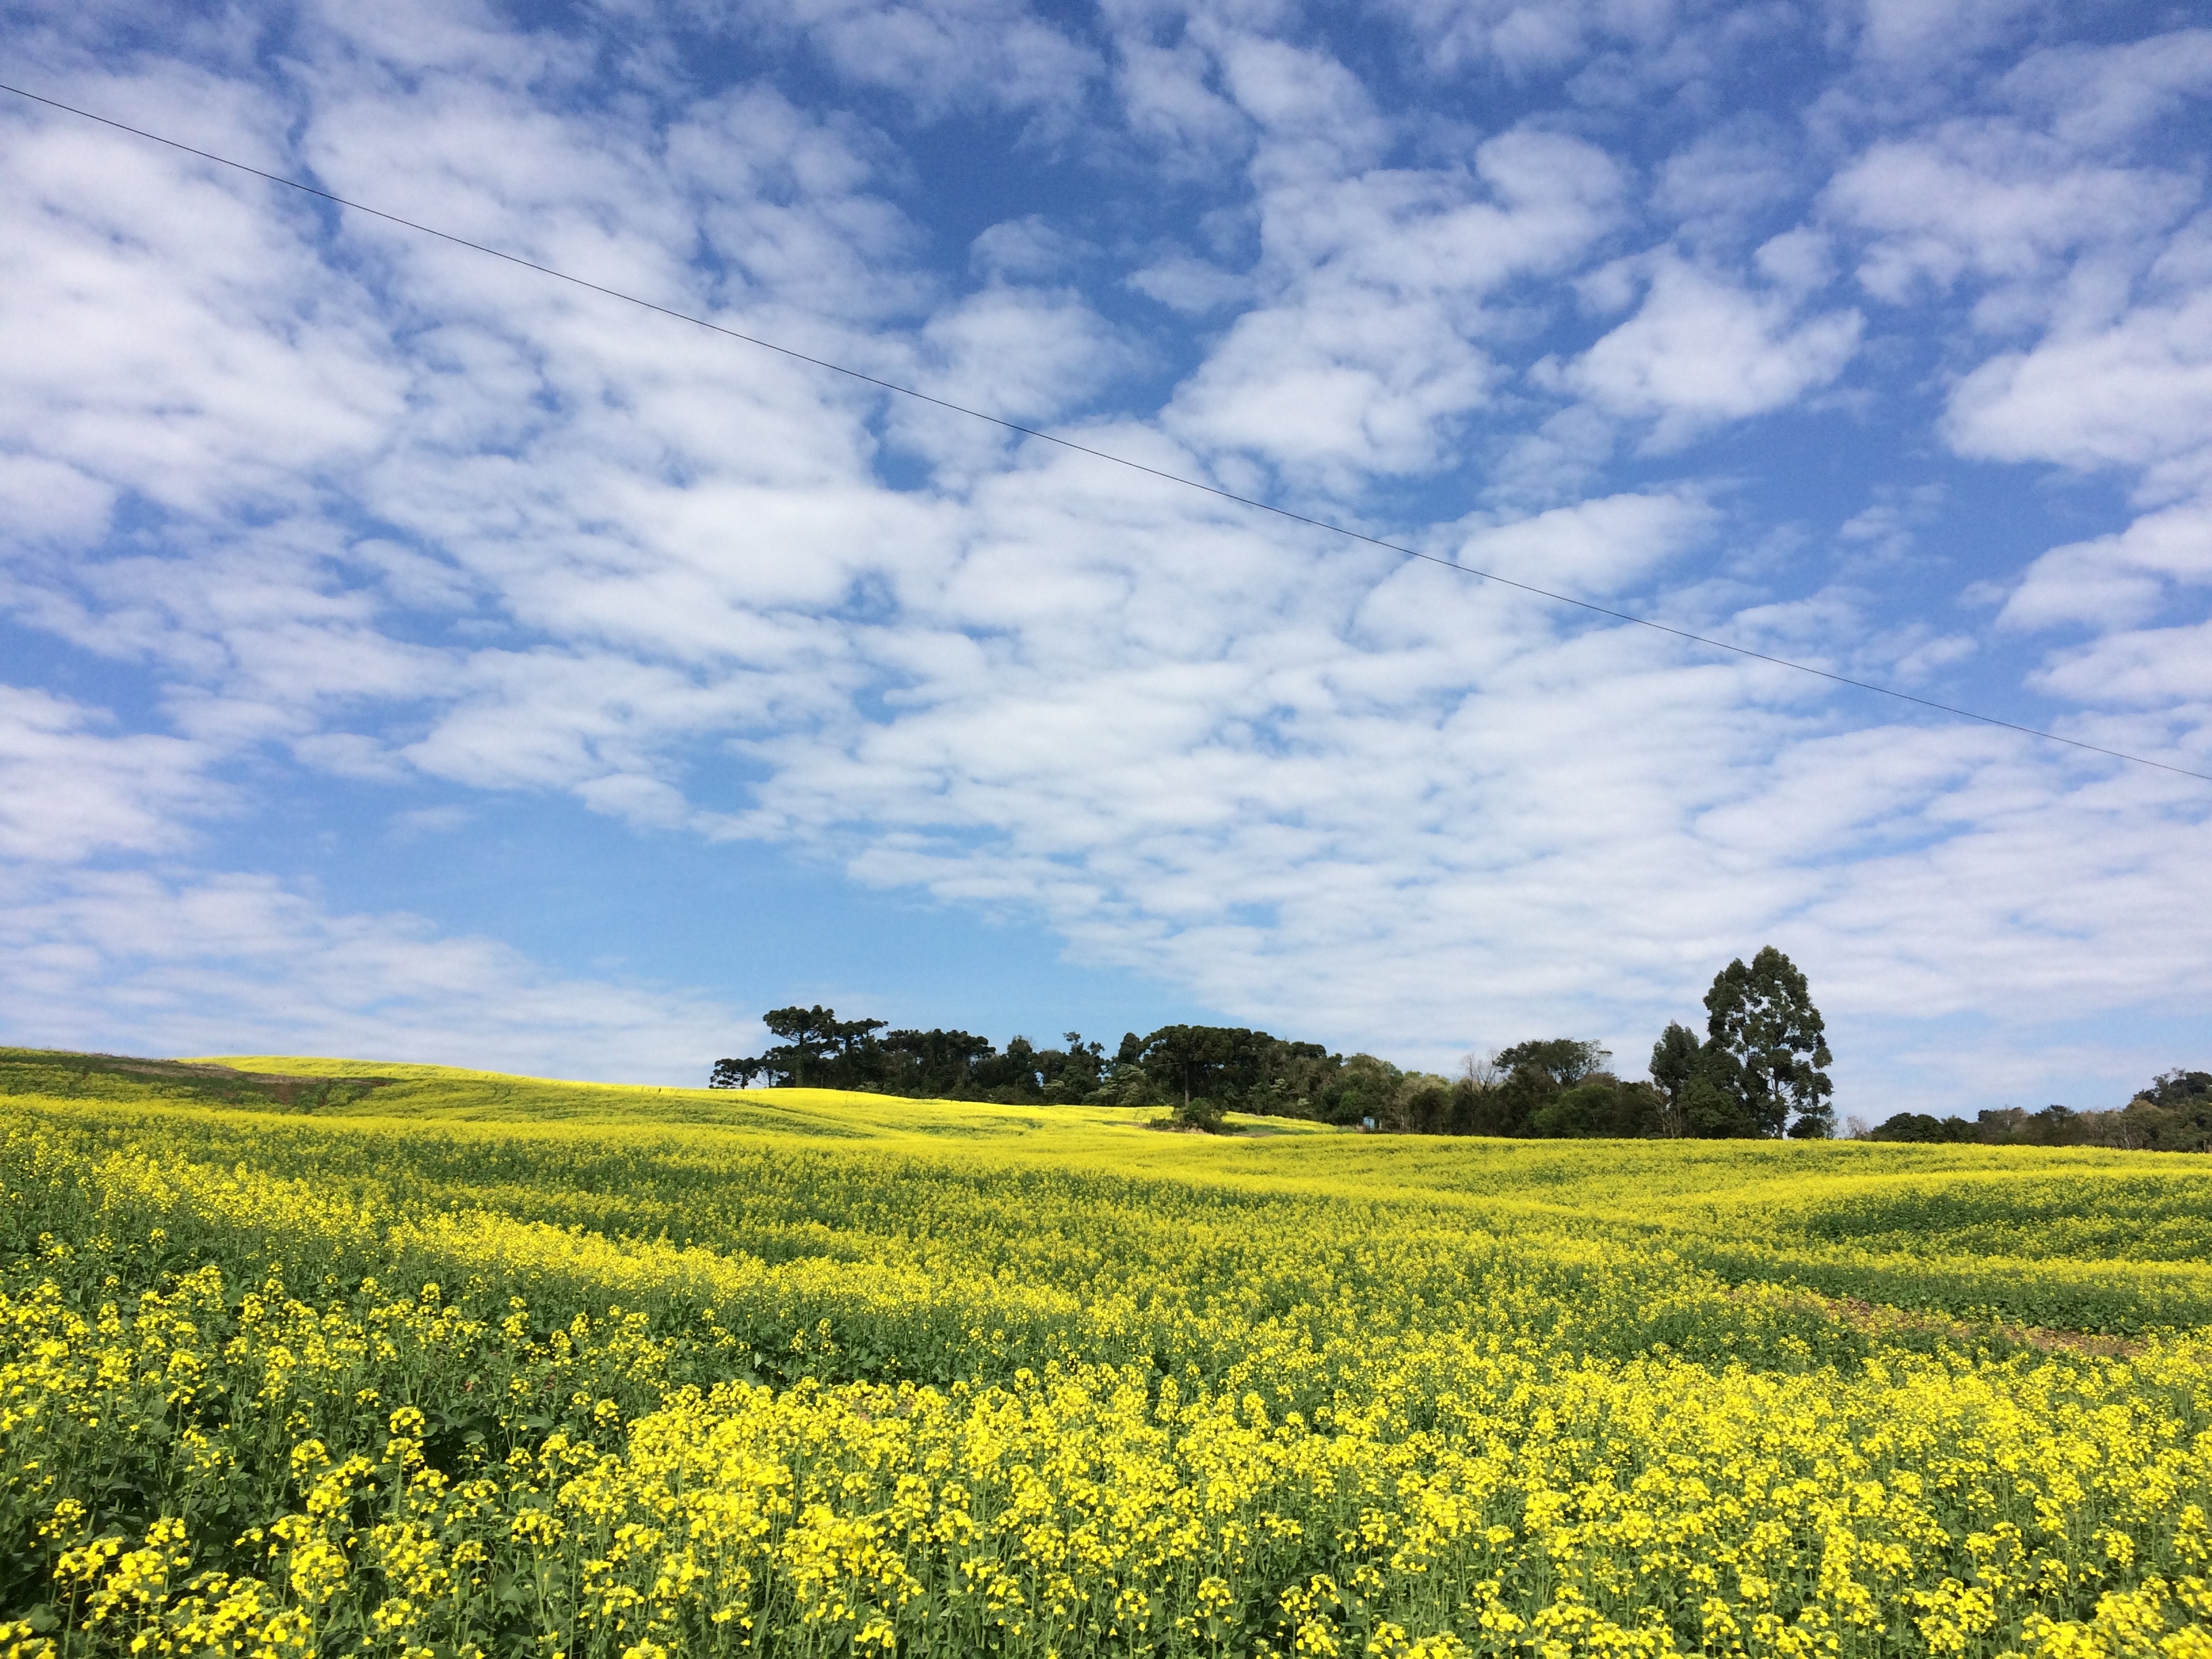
column 1404, row 551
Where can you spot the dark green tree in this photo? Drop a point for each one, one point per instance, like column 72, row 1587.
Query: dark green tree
column 1238, row 1069
column 1534, row 1074
column 2174, row 1114
column 1072, row 1074
column 1714, row 1104
column 1920, row 1126
column 818, row 1050
column 1763, row 1019
column 1293, row 1079
column 1565, row 1061
column 1188, row 1059
column 1601, row 1104
column 1365, row 1087
column 1200, row 1113
column 1701, row 1088
column 2178, row 1088
column 934, row 1065
column 1674, row 1061
column 1425, row 1104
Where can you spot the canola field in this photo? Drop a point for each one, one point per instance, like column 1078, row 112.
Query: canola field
column 460, row 1364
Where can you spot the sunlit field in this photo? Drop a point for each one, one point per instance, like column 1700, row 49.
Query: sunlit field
column 464, row 1363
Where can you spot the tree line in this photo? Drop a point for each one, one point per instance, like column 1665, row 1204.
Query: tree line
column 1757, row 1070
column 2174, row 1114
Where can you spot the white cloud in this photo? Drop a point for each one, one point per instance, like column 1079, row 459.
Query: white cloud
column 559, row 465
column 42, row 497
column 948, row 55
column 2164, row 670
column 1702, row 350
column 2101, row 94
column 265, row 638
column 131, row 962
column 69, row 790
column 2060, row 236
column 1170, row 101
column 1318, row 119
column 1469, row 817
column 407, row 37
column 1190, row 285
column 1740, row 169
column 1884, row 532
column 429, row 821
column 1593, row 547
column 1023, row 354
column 2137, row 394
column 417, row 513
column 2028, row 884
column 791, row 204
column 2116, row 581
column 1987, row 200
column 599, row 723
column 1027, row 249
column 1341, row 387
column 1919, row 37
column 1525, row 36
column 200, row 383
column 1361, row 357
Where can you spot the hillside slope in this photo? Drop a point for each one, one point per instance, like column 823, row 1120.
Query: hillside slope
column 402, row 1358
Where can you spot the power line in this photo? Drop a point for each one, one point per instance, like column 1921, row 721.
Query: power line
column 1101, row 454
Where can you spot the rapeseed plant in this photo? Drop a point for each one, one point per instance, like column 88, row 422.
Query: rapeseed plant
column 268, row 1388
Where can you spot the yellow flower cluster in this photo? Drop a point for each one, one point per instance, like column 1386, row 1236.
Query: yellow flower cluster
column 275, row 1389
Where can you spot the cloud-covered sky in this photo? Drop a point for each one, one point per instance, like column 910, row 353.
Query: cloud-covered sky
column 405, row 655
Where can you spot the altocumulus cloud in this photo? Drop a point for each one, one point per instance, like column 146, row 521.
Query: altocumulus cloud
column 1867, row 335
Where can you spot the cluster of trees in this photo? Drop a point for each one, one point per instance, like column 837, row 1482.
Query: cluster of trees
column 1756, row 1071
column 2172, row 1115
column 1202, row 1069
column 821, row 1051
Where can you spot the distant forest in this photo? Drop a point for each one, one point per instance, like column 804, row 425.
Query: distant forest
column 2173, row 1114
column 1557, row 1087
column 1758, row 1070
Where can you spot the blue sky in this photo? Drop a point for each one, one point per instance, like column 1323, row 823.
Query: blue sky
column 405, row 655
